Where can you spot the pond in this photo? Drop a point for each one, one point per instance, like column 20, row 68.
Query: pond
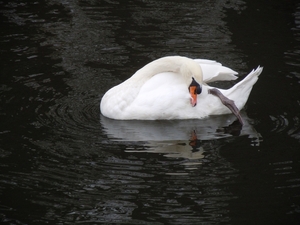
column 62, row 162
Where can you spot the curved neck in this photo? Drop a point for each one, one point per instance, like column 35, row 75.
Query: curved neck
column 184, row 66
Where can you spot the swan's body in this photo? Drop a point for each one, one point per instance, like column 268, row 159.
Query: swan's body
column 159, row 90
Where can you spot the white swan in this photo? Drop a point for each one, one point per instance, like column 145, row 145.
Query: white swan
column 175, row 87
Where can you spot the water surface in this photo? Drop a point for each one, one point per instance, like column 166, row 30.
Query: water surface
column 63, row 163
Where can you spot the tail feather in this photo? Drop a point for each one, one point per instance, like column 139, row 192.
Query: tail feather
column 240, row 92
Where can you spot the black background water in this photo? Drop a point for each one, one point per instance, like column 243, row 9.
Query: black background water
column 62, row 163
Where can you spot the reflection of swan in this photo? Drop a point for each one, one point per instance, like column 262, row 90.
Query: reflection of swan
column 178, row 131
column 185, row 139
column 175, row 87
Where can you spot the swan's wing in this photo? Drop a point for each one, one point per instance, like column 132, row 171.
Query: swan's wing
column 214, row 71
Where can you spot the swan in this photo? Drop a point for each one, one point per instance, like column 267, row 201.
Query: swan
column 175, row 87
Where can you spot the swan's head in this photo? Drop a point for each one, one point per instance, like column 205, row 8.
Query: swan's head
column 194, row 89
column 192, row 73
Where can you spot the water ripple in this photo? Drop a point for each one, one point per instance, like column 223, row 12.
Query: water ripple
column 75, row 116
column 288, row 124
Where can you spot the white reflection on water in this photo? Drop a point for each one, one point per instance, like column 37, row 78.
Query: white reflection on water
column 179, row 138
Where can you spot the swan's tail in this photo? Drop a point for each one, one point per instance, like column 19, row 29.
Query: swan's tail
column 240, row 92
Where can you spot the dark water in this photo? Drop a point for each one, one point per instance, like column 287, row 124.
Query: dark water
column 62, row 163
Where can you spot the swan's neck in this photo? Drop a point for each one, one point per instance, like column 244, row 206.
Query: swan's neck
column 183, row 66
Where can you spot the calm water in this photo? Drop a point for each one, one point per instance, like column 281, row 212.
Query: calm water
column 61, row 162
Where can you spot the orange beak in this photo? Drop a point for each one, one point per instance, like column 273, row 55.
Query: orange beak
column 193, row 93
